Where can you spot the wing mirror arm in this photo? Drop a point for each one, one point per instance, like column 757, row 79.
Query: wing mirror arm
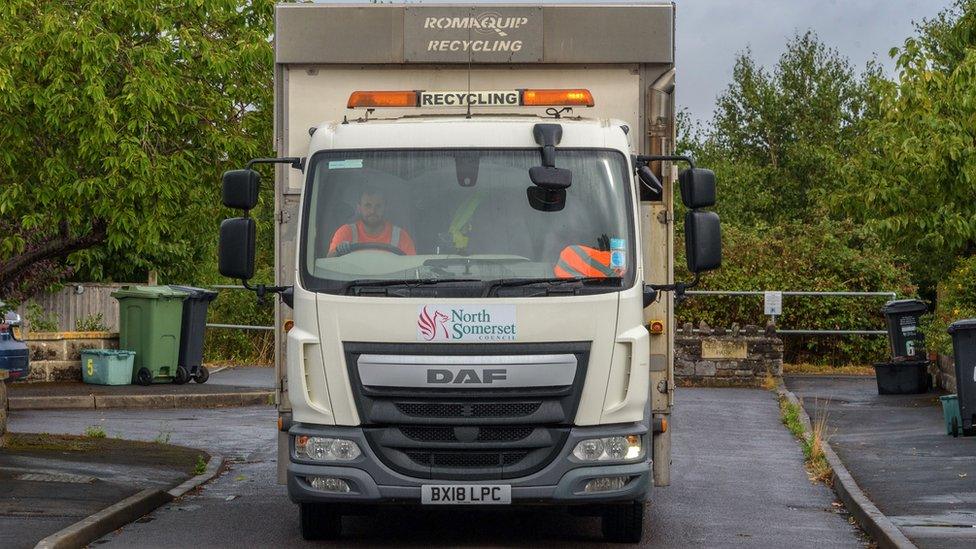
column 703, row 244
column 236, row 244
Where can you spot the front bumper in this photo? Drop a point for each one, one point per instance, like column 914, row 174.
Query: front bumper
column 560, row 482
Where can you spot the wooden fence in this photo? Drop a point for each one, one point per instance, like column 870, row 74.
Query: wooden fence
column 79, row 301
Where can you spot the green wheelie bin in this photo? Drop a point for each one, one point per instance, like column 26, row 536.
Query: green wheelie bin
column 150, row 318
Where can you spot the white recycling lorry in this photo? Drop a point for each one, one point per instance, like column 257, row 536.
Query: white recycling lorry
column 474, row 252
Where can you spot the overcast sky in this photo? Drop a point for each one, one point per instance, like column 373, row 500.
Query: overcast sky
column 711, row 32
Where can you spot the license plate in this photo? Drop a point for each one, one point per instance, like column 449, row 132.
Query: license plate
column 466, row 494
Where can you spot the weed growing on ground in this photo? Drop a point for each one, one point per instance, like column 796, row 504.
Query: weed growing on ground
column 162, row 437
column 95, row 431
column 769, row 382
column 812, row 443
column 829, row 369
column 200, row 467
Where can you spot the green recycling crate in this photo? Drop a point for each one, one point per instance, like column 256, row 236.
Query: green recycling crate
column 106, row 366
column 150, row 318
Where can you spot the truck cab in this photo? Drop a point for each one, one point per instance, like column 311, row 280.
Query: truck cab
column 476, row 280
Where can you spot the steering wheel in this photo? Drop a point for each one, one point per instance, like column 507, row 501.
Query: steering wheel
column 349, row 247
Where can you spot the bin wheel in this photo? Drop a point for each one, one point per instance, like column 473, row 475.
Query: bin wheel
column 203, row 374
column 144, row 376
column 319, row 521
column 955, row 427
column 623, row 523
column 182, row 376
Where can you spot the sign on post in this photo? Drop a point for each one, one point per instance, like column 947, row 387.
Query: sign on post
column 773, row 303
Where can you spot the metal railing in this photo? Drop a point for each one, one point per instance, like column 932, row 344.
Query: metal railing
column 235, row 326
column 888, row 295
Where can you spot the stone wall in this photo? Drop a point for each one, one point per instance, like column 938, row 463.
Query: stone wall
column 56, row 356
column 720, row 357
column 943, row 371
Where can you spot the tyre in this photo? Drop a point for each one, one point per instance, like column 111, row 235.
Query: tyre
column 319, row 521
column 182, row 376
column 144, row 376
column 203, row 374
column 624, row 523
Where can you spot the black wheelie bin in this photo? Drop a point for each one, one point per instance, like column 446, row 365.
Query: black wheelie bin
column 191, row 337
column 963, row 334
column 907, row 372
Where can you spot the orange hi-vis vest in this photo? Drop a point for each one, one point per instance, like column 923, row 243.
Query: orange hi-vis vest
column 583, row 261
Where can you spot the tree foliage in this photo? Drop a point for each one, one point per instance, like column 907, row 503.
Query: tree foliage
column 116, row 119
column 914, row 177
column 779, row 141
column 778, row 137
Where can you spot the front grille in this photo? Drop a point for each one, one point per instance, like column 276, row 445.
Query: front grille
column 448, row 434
column 454, row 460
column 458, row 409
column 461, row 433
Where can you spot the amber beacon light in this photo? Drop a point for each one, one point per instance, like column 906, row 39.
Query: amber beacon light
column 383, row 99
column 557, row 98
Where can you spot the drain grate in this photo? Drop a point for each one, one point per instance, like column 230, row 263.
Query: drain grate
column 56, row 477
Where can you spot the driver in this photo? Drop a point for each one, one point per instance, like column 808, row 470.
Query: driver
column 371, row 228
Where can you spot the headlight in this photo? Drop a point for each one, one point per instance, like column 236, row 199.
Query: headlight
column 609, row 448
column 326, row 449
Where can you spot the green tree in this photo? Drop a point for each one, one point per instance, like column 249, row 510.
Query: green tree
column 914, row 177
column 117, row 118
column 778, row 137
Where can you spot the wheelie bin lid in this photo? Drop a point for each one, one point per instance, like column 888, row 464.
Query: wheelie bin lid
column 196, row 293
column 149, row 292
column 904, row 306
column 962, row 325
column 108, row 352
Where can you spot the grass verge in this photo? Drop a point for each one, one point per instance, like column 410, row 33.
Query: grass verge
column 828, row 370
column 812, row 442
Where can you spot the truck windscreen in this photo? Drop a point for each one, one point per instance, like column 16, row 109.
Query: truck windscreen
column 464, row 218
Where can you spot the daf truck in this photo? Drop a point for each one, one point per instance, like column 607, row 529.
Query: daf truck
column 474, row 256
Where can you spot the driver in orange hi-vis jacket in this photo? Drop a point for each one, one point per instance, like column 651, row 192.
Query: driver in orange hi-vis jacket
column 372, row 230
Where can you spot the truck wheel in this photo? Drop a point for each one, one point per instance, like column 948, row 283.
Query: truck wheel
column 203, row 374
column 624, row 523
column 319, row 521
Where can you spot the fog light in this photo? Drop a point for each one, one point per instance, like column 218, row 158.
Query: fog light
column 605, row 484
column 609, row 448
column 328, row 484
column 326, row 449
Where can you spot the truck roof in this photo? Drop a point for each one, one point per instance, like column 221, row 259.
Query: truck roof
column 455, row 131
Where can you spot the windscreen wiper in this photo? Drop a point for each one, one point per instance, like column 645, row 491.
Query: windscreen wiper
column 493, row 285
column 352, row 285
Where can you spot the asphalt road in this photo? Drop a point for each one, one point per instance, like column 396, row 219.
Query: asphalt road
column 737, row 480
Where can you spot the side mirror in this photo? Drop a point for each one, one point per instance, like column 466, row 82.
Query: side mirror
column 551, row 179
column 703, row 241
column 240, row 189
column 236, row 248
column 697, row 188
column 654, row 190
